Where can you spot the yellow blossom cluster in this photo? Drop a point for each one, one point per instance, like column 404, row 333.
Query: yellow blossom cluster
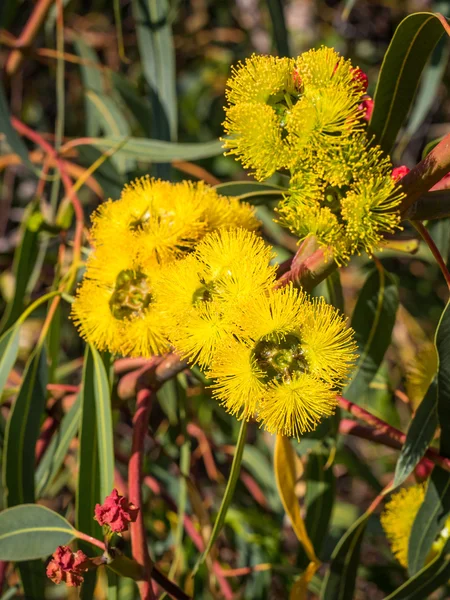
column 179, row 267
column 397, row 520
column 305, row 116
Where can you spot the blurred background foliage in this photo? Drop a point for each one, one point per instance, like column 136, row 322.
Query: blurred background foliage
column 94, row 75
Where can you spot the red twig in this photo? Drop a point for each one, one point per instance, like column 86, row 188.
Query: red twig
column 138, row 538
column 434, row 249
column 27, row 35
column 383, row 430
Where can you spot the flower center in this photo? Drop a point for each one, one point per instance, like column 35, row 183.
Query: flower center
column 280, row 360
column 131, row 295
column 140, row 223
column 204, row 293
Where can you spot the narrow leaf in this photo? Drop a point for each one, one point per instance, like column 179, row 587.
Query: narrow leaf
column 31, row 531
column 25, row 258
column 442, row 341
column 280, row 32
column 55, row 454
column 104, row 424
column 319, row 499
column 9, row 348
column 373, row 320
column 22, row 431
column 229, row 492
column 419, row 435
column 339, row 581
column 156, row 151
column 430, row 519
column 157, row 52
column 286, row 478
column 91, row 77
column 427, row 580
column 413, row 42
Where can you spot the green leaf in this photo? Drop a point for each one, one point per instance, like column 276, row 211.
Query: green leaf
column 247, row 189
column 430, row 519
column 428, row 92
column 13, row 139
column 104, row 424
column 419, row 435
column 373, row 320
column 427, row 580
column 9, row 348
column 88, row 490
column 22, row 431
column 88, row 485
column 139, row 107
column 156, row 151
column 442, row 342
column 91, row 77
column 112, row 123
column 339, row 581
column 228, row 496
column 55, row 454
column 280, row 32
column 31, row 531
column 25, row 258
column 157, row 52
column 413, row 42
column 319, row 499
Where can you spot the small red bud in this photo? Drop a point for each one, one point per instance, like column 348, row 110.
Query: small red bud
column 360, row 77
column 116, row 512
column 367, row 107
column 399, row 172
column 67, row 566
column 297, row 79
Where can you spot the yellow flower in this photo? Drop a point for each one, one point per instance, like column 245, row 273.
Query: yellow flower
column 282, row 112
column 162, row 218
column 165, row 220
column 255, row 138
column 398, row 517
column 227, row 211
column 347, row 200
column 293, row 356
column 114, row 308
column 199, row 295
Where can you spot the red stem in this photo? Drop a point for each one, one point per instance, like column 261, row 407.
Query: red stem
column 383, row 430
column 139, row 547
column 434, row 249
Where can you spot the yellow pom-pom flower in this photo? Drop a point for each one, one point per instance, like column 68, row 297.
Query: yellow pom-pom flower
column 165, row 220
column 282, row 112
column 397, row 520
column 199, row 295
column 114, row 308
column 398, row 517
column 348, row 200
column 293, row 357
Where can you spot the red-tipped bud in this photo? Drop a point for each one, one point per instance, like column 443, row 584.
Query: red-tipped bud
column 116, row 512
column 361, row 77
column 423, row 470
column 67, row 566
column 367, row 107
column 297, row 79
column 399, row 172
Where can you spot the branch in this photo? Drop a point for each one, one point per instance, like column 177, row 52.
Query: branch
column 382, row 430
column 426, row 174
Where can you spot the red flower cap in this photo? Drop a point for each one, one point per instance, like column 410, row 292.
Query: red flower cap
column 297, row 79
column 367, row 107
column 116, row 512
column 67, row 566
column 361, row 78
column 399, row 172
